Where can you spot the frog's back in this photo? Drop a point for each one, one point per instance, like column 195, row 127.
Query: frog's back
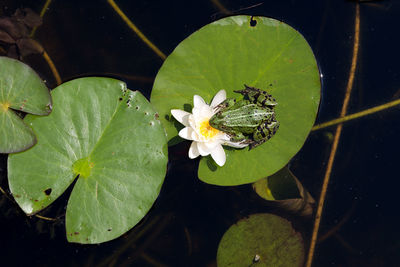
column 246, row 118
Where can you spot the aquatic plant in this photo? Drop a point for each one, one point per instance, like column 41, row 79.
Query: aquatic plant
column 257, row 51
column 281, row 189
column 261, row 239
column 109, row 140
column 21, row 90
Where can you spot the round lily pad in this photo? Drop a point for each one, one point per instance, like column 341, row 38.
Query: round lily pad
column 261, row 240
column 257, row 51
column 108, row 136
column 20, row 89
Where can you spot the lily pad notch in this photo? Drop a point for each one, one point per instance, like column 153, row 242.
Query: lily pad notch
column 21, row 89
column 108, row 135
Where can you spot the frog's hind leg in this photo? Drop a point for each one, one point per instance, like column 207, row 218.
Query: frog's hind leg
column 257, row 96
column 264, row 132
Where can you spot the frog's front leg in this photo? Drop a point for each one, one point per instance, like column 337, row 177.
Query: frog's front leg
column 258, row 96
column 236, row 137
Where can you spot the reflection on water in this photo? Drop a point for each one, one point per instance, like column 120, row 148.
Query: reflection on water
column 187, row 221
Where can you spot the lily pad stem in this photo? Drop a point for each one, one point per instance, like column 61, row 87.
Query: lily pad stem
column 44, row 9
column 46, row 218
column 4, row 193
column 44, row 54
column 221, row 7
column 136, row 30
column 52, row 67
column 336, row 139
column 357, row 115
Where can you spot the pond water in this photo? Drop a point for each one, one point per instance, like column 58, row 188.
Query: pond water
column 86, row 38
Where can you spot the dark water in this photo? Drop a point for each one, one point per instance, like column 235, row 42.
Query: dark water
column 187, row 221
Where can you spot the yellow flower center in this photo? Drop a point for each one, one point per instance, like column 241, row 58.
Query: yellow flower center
column 4, row 106
column 206, row 130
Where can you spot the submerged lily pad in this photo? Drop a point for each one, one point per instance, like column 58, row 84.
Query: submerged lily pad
column 261, row 240
column 111, row 138
column 20, row 89
column 259, row 52
column 284, row 190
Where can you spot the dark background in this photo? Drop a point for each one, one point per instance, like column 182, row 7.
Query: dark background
column 183, row 228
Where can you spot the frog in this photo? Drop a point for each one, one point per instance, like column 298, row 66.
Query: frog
column 251, row 120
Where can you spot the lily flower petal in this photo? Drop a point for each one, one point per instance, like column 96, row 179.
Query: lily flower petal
column 193, row 151
column 181, row 116
column 218, row 155
column 195, row 136
column 192, row 121
column 198, row 101
column 196, row 113
column 210, row 145
column 203, row 149
column 207, row 112
column 186, row 133
column 218, row 98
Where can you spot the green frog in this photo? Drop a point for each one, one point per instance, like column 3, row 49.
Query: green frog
column 250, row 120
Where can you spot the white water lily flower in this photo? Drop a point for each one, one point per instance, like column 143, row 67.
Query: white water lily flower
column 206, row 139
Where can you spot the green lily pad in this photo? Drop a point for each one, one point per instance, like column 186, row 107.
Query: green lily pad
column 20, row 89
column 284, row 190
column 227, row 54
column 261, row 240
column 108, row 136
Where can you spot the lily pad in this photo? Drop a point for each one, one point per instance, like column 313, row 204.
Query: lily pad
column 284, row 190
column 112, row 139
column 257, row 51
column 261, row 240
column 20, row 89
